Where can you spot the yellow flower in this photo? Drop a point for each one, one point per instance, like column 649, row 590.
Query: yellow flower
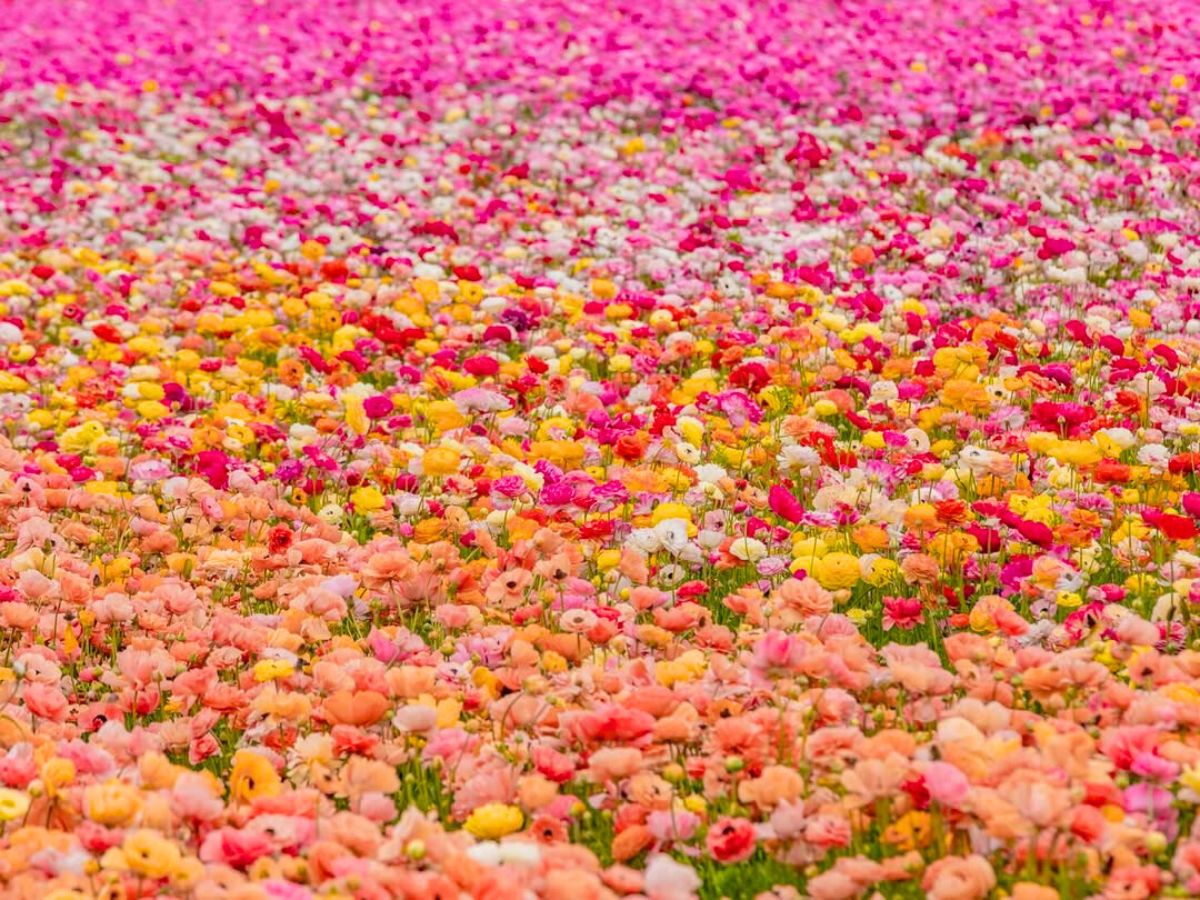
column 1190, row 779
column 149, row 854
column 81, row 437
column 272, row 669
column 608, row 559
column 13, row 804
column 440, row 461
column 881, row 571
column 1185, row 694
column 494, row 820
column 808, row 548
column 1068, row 600
column 965, row 395
column 665, row 511
column 568, row 455
column 57, row 773
column 825, row 408
column 367, row 499
column 687, row 666
column 1040, row 441
column 691, row 430
column 152, row 410
column 356, row 416
column 603, row 289
column 1075, row 453
column 252, row 776
column 837, row 570
column 111, row 803
column 188, row 872
column 327, row 319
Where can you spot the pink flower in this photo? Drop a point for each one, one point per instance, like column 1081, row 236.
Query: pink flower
column 778, row 650
column 45, row 701
column 234, row 847
column 902, row 612
column 784, row 504
column 946, row 784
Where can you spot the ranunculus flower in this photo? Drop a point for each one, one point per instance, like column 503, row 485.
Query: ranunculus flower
column 730, row 840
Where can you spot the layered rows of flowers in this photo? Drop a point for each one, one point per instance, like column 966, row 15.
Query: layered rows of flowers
column 587, row 450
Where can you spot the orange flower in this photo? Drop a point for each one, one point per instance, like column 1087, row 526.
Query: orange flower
column 630, row 842
column 359, row 708
column 291, row 372
column 776, row 784
column 112, row 803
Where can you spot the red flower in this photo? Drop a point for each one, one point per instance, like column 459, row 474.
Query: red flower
column 916, row 789
column 1109, row 471
column 731, row 840
column 1035, row 532
column 752, row 376
column 482, row 365
column 630, row 447
column 1176, row 528
column 597, row 529
column 107, row 333
column 279, row 539
column 989, row 538
column 1184, row 464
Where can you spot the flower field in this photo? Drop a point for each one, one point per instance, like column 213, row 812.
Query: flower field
column 573, row 449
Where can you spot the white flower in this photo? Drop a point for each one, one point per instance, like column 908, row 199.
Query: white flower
column 520, row 853
column 666, row 879
column 1122, row 437
column 1156, row 456
column 486, row 853
column 1070, row 581
column 1136, row 251
column 918, row 439
column 748, row 549
column 686, row 453
column 883, row 391
column 408, row 504
column 976, row 459
column 710, row 473
column 798, row 459
column 644, row 539
column 672, row 534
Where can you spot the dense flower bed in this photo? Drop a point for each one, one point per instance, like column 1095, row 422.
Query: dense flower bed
column 594, row 450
